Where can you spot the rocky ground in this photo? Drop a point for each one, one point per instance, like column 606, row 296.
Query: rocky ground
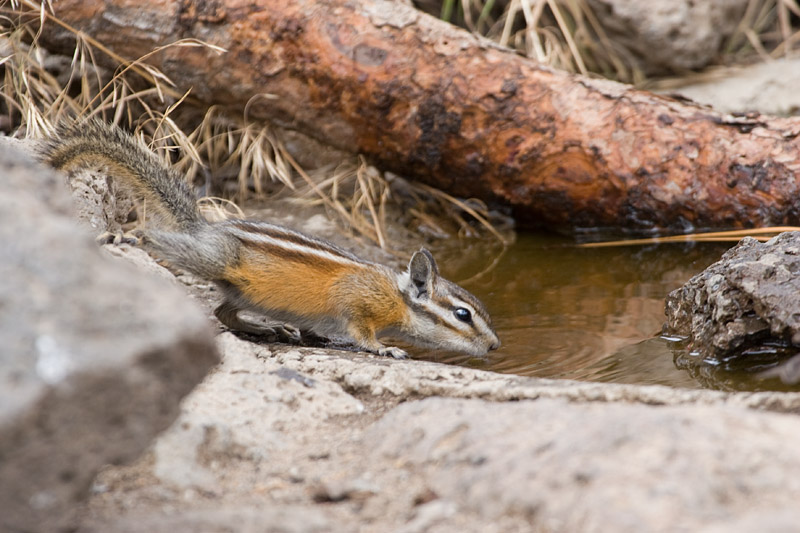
column 292, row 439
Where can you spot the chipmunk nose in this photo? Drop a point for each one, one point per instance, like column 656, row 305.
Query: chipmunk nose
column 494, row 345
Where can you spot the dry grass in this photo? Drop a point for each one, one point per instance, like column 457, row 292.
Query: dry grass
column 766, row 29
column 40, row 90
column 564, row 34
column 567, row 35
column 212, row 148
column 761, row 234
column 250, row 153
column 365, row 197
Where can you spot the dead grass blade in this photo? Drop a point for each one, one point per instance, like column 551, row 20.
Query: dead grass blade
column 762, row 234
column 464, row 206
column 567, row 34
column 365, row 191
column 216, row 209
column 488, row 269
column 252, row 150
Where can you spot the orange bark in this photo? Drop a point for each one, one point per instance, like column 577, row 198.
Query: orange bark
column 429, row 101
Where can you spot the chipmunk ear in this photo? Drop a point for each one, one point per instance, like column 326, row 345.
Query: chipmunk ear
column 423, row 271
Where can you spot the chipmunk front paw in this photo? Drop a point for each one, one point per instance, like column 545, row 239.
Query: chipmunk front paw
column 392, row 351
column 117, row 237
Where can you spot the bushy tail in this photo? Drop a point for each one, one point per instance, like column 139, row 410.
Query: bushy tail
column 95, row 144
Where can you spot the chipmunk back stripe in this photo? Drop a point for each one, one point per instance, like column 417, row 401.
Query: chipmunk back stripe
column 291, row 251
column 281, row 252
column 279, row 234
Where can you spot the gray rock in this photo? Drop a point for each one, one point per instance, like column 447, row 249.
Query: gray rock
column 321, row 434
column 272, row 519
column 746, row 300
column 95, row 355
column 99, row 202
column 247, row 408
column 769, row 87
column 777, row 520
column 667, row 36
column 562, row 466
column 380, row 378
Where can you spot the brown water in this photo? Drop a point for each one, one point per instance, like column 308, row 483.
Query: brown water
column 591, row 314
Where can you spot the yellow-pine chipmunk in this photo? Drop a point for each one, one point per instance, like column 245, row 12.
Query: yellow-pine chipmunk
column 288, row 276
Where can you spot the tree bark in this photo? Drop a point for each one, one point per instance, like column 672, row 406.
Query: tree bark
column 432, row 102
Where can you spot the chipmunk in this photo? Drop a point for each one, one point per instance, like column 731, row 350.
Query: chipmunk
column 286, row 275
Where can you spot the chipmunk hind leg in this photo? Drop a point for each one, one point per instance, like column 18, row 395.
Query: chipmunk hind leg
column 228, row 313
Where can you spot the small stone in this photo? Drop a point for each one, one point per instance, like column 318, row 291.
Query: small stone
column 753, row 299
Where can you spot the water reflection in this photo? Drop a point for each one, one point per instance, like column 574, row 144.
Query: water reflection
column 738, row 372
column 581, row 313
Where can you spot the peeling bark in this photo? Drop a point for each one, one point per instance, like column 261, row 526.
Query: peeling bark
column 429, row 101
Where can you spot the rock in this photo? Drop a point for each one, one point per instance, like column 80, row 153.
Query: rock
column 779, row 520
column 291, row 439
column 370, row 444
column 272, row 519
column 139, row 258
column 747, row 300
column 560, row 466
column 99, row 202
column 380, row 378
column 95, row 355
column 247, row 409
column 667, row 36
column 769, row 88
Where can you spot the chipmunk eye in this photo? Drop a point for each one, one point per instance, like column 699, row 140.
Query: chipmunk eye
column 463, row 314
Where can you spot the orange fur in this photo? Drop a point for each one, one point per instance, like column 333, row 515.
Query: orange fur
column 372, row 300
column 361, row 293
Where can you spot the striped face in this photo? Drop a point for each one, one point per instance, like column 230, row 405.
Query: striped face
column 442, row 314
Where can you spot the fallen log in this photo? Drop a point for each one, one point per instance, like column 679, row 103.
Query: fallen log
column 432, row 102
